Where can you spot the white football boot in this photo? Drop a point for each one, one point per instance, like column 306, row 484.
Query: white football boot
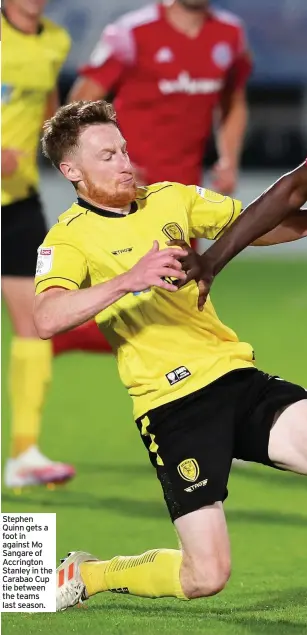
column 33, row 468
column 70, row 588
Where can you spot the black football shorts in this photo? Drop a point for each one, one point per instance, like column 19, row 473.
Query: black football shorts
column 192, row 441
column 23, row 229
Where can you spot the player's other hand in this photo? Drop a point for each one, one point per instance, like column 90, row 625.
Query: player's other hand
column 224, row 177
column 156, row 265
column 9, row 161
column 197, row 268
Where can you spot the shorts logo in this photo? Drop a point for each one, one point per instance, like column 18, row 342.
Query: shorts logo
column 44, row 260
column 189, row 470
column 173, row 231
column 177, row 374
column 192, row 488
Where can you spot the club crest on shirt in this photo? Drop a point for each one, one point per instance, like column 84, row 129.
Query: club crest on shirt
column 189, row 470
column 173, row 231
column 222, row 55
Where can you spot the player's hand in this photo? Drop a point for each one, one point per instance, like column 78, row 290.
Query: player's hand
column 9, row 161
column 197, row 268
column 156, row 265
column 224, row 177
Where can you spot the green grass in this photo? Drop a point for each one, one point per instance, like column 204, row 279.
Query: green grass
column 114, row 506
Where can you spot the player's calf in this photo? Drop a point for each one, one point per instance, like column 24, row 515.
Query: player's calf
column 288, row 438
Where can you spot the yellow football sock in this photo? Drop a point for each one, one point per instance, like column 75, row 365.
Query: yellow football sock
column 154, row 574
column 29, row 377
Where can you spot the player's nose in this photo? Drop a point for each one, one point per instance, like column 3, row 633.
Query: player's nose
column 125, row 163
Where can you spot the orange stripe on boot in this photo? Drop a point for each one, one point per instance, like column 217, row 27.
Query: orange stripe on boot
column 71, row 571
column 61, row 577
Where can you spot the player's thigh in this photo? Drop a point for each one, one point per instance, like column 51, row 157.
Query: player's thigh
column 23, row 230
column 205, row 546
column 265, row 397
column 288, row 438
column 190, row 443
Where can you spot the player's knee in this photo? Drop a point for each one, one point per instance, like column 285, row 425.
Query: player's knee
column 207, row 578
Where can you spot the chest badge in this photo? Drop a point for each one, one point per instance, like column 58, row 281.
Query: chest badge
column 173, row 231
column 164, row 55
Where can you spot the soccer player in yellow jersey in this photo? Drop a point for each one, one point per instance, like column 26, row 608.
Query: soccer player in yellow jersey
column 34, row 49
column 198, row 399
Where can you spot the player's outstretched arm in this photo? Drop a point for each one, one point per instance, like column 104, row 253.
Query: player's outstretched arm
column 293, row 227
column 282, row 199
column 275, row 207
column 57, row 309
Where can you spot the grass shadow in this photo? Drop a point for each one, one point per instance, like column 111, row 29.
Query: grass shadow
column 53, row 501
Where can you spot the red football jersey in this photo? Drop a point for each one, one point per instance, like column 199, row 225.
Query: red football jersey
column 167, row 86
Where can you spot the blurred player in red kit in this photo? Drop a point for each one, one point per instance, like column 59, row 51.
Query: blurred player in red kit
column 163, row 62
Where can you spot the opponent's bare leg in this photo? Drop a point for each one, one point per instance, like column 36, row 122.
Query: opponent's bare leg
column 288, row 438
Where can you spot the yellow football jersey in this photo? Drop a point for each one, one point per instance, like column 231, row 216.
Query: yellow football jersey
column 165, row 347
column 30, row 66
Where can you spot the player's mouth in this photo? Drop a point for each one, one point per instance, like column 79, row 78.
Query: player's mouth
column 128, row 180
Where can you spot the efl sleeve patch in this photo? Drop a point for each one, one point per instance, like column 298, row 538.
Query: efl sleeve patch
column 209, row 195
column 44, row 260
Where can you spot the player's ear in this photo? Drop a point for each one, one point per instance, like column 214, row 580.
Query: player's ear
column 71, row 172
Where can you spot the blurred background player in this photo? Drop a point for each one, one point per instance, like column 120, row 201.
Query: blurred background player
column 163, row 62
column 33, row 52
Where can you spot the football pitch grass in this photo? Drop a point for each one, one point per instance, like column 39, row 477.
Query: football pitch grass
column 114, row 505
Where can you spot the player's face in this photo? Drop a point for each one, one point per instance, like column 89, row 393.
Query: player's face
column 194, row 4
column 33, row 8
column 104, row 165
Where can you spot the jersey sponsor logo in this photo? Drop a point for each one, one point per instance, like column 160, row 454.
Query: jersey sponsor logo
column 186, row 84
column 192, row 488
column 177, row 375
column 222, row 55
column 189, row 470
column 123, row 589
column 209, row 195
column 173, row 231
column 164, row 55
column 121, row 251
column 6, row 93
column 44, row 260
column 139, row 292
